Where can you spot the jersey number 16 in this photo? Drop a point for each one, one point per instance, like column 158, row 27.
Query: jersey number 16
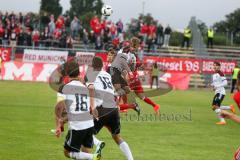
column 81, row 104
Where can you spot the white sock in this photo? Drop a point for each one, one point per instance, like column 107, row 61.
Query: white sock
column 81, row 155
column 126, row 150
column 218, row 112
column 225, row 107
column 96, row 141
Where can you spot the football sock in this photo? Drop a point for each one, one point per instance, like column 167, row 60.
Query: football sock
column 81, row 155
column 126, row 150
column 218, row 112
column 225, row 107
column 149, row 101
column 96, row 141
column 127, row 106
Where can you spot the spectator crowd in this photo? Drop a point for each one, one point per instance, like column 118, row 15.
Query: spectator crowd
column 62, row 32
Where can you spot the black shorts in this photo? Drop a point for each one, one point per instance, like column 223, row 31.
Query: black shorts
column 217, row 100
column 111, row 120
column 117, row 77
column 76, row 138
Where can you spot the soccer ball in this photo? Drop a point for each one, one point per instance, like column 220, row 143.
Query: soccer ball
column 107, row 10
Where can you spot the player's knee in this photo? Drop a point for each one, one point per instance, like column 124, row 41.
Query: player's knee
column 117, row 138
column 66, row 153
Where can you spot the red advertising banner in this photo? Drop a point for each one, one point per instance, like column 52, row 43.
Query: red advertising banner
column 41, row 72
column 5, row 54
column 177, row 80
column 185, row 65
column 177, row 70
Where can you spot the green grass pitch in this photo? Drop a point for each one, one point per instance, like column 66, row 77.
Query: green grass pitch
column 26, row 117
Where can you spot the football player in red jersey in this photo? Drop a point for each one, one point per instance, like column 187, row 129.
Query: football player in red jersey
column 236, row 96
column 135, row 83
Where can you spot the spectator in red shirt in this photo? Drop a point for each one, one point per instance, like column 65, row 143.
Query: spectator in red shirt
column 152, row 29
column 18, row 29
column 113, row 30
column 1, row 33
column 94, row 21
column 60, row 22
column 144, row 31
column 57, row 34
column 152, row 32
column 104, row 24
column 35, row 38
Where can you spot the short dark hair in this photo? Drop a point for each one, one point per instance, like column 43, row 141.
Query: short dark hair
column 97, row 62
column 217, row 63
column 72, row 69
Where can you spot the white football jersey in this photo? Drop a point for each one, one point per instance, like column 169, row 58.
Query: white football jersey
column 219, row 81
column 104, row 90
column 78, row 105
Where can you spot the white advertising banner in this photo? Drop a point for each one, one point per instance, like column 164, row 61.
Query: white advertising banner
column 44, row 56
column 85, row 58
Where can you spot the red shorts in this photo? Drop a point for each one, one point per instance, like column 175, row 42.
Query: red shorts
column 136, row 85
column 236, row 98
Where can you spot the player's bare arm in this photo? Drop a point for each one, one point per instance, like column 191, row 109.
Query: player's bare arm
column 231, row 116
column 60, row 120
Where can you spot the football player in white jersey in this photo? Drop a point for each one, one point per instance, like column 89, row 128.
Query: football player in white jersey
column 108, row 114
column 219, row 81
column 123, row 106
column 79, row 139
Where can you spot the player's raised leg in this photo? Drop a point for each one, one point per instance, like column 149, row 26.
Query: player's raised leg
column 230, row 108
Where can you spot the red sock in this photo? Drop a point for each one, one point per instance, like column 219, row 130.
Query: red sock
column 127, row 106
column 149, row 101
column 236, row 98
